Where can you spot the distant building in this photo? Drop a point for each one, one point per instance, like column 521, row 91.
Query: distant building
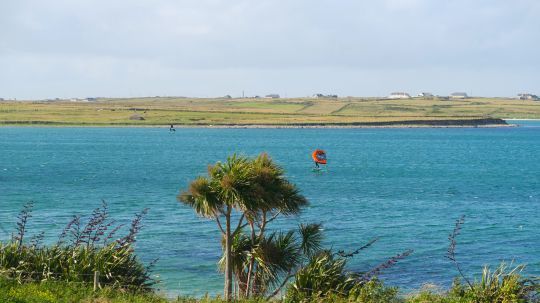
column 425, row 95
column 399, row 95
column 528, row 97
column 459, row 96
column 325, row 96
column 273, row 96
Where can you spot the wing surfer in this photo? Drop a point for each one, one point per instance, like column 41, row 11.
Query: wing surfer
column 319, row 157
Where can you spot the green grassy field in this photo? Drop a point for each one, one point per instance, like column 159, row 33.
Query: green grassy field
column 294, row 111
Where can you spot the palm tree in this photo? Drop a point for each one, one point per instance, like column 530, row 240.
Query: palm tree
column 228, row 186
column 259, row 192
column 273, row 259
column 275, row 196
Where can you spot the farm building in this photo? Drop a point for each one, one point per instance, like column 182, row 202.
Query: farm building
column 399, row 95
column 425, row 95
column 322, row 96
column 459, row 96
column 273, row 96
column 528, row 97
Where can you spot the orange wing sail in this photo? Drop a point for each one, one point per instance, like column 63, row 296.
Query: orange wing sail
column 319, row 156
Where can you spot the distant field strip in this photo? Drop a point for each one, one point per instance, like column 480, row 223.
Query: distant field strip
column 296, row 111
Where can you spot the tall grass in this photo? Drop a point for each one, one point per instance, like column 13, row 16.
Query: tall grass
column 83, row 248
column 326, row 279
column 504, row 284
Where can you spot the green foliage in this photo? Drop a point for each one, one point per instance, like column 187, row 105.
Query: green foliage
column 255, row 190
column 87, row 251
column 503, row 285
column 228, row 185
column 276, row 257
column 311, row 236
column 323, row 276
column 67, row 292
column 118, row 266
column 248, row 185
column 374, row 291
column 427, row 296
column 325, row 279
column 59, row 292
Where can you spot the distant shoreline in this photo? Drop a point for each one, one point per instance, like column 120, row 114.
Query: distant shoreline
column 457, row 123
column 518, row 119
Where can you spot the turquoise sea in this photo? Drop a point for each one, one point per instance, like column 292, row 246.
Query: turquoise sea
column 406, row 186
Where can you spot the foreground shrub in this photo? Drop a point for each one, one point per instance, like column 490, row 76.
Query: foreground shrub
column 499, row 286
column 272, row 260
column 502, row 285
column 325, row 279
column 82, row 250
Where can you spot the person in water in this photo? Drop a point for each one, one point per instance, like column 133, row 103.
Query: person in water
column 172, row 128
column 317, row 164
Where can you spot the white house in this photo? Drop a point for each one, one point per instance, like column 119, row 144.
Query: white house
column 273, row 96
column 322, row 96
column 399, row 95
column 528, row 97
column 425, row 95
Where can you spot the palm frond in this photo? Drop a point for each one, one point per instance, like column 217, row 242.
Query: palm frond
column 311, row 236
column 276, row 255
column 241, row 248
column 202, row 198
column 292, row 201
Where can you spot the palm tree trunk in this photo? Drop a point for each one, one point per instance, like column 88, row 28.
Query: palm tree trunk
column 228, row 268
column 251, row 261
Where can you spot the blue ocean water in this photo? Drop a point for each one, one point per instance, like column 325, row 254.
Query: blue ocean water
column 406, row 186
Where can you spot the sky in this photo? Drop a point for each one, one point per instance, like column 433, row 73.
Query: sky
column 295, row 48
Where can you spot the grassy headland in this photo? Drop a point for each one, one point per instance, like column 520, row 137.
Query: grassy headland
column 267, row 112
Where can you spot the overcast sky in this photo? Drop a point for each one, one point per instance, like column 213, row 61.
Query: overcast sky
column 206, row 48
